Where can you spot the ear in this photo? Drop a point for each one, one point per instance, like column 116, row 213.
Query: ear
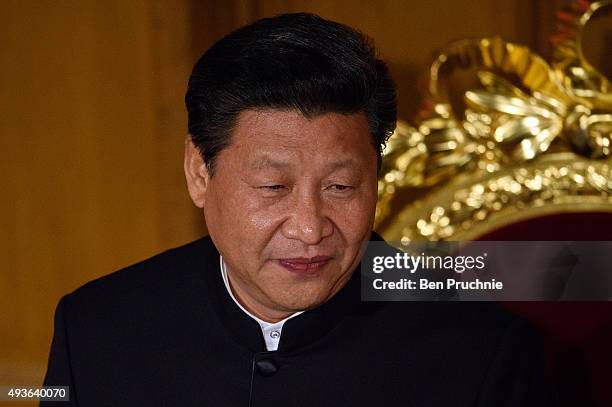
column 196, row 173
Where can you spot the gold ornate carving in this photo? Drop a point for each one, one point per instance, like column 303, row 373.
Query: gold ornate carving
column 533, row 138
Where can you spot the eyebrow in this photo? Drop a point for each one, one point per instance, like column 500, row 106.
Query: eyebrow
column 266, row 161
column 346, row 163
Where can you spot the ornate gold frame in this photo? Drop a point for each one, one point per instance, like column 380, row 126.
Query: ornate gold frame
column 533, row 139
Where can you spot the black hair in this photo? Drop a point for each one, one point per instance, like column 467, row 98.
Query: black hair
column 292, row 61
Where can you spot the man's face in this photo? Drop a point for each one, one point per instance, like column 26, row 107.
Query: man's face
column 289, row 206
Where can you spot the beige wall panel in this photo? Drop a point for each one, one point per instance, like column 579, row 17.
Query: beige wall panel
column 91, row 136
column 407, row 33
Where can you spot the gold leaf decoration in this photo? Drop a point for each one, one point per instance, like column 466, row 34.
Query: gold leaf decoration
column 532, row 138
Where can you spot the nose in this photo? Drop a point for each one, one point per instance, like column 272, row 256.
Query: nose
column 307, row 221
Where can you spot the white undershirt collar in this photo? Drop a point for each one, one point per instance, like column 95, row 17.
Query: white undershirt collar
column 271, row 331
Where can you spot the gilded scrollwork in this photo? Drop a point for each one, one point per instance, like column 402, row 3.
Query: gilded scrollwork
column 531, row 138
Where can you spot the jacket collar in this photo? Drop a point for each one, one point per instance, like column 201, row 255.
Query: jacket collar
column 298, row 332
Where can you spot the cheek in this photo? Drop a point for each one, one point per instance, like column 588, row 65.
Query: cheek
column 355, row 218
column 231, row 214
column 260, row 217
column 256, row 222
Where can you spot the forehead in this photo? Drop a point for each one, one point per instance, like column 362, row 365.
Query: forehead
column 264, row 137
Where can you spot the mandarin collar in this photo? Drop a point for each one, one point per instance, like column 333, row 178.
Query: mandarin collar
column 299, row 331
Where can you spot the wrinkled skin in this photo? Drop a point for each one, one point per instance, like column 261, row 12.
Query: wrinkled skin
column 289, row 206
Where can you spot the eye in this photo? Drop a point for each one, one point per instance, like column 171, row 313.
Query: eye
column 273, row 187
column 340, row 187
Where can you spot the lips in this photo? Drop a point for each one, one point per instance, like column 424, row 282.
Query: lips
column 305, row 264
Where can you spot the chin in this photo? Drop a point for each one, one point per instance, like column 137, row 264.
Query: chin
column 296, row 306
column 303, row 298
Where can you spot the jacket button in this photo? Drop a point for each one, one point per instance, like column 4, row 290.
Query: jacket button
column 266, row 367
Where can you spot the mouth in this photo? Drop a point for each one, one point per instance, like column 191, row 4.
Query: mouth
column 304, row 265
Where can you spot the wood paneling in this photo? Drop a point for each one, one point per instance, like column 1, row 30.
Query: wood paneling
column 407, row 33
column 91, row 129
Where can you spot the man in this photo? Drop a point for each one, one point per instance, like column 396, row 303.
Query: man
column 287, row 121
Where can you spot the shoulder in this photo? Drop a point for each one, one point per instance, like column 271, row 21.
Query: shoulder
column 470, row 335
column 156, row 277
column 477, row 329
column 450, row 317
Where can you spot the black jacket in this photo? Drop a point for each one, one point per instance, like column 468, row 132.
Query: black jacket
column 165, row 332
